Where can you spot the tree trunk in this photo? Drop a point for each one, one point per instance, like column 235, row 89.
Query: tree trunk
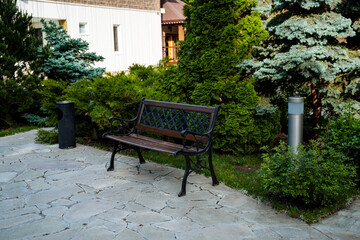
column 316, row 97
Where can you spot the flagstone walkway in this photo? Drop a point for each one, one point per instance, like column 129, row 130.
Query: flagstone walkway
column 50, row 193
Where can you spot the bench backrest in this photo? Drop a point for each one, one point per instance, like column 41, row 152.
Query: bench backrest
column 170, row 119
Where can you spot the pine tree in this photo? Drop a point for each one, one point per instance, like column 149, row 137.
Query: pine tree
column 306, row 55
column 19, row 64
column 69, row 58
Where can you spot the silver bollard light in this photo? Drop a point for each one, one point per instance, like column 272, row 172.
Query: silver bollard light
column 295, row 124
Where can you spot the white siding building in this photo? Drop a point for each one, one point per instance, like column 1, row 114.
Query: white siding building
column 124, row 32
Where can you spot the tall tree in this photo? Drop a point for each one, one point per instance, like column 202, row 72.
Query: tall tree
column 19, row 64
column 306, row 54
column 220, row 34
column 69, row 59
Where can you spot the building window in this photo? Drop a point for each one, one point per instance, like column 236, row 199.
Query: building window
column 38, row 33
column 116, row 37
column 82, row 28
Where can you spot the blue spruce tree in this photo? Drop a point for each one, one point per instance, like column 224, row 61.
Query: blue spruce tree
column 69, row 58
column 306, row 54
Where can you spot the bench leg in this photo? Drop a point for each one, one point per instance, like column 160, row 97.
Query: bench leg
column 214, row 180
column 142, row 160
column 115, row 149
column 186, row 174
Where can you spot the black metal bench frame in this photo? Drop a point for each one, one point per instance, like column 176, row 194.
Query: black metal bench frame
column 193, row 124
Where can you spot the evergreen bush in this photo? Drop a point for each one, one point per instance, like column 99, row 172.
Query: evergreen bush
column 316, row 176
column 113, row 95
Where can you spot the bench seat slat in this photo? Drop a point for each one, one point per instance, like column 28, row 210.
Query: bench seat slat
column 150, row 143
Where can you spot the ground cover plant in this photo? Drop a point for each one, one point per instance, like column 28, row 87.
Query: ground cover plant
column 47, row 136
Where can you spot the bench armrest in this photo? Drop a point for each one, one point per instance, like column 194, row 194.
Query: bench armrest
column 111, row 119
column 123, row 129
column 186, row 132
column 198, row 140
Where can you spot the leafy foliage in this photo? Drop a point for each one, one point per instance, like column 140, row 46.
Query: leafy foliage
column 343, row 134
column 317, row 175
column 19, row 64
column 69, row 58
column 105, row 97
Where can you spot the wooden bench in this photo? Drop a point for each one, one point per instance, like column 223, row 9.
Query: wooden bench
column 193, row 124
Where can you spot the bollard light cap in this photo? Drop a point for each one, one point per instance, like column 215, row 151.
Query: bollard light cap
column 296, row 99
column 65, row 102
column 296, row 105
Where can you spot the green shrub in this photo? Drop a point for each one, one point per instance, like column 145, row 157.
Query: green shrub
column 49, row 137
column 241, row 128
column 343, row 134
column 51, row 92
column 145, row 73
column 317, row 175
column 267, row 125
column 114, row 96
column 98, row 99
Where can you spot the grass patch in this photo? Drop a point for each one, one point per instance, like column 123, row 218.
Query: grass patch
column 12, row 131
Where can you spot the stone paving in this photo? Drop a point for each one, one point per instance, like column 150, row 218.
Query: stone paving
column 50, row 193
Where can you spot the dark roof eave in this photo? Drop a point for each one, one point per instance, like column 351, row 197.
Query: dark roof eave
column 173, row 22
